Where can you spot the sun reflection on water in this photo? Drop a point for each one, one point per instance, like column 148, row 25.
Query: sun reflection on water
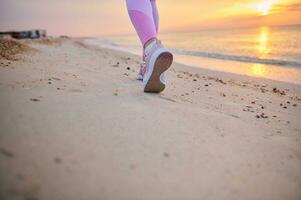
column 259, row 70
column 263, row 42
column 263, row 48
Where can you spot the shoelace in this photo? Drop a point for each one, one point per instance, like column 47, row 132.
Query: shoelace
column 142, row 71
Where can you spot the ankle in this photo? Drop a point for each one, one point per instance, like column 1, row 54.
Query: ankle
column 145, row 47
column 148, row 42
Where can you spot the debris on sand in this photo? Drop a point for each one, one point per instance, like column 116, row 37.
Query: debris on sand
column 223, row 94
column 220, row 81
column 166, row 155
column 278, row 91
column 116, row 65
column 34, row 99
column 6, row 153
column 10, row 48
column 263, row 90
column 262, row 116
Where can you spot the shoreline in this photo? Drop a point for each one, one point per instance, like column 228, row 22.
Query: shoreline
column 75, row 124
column 287, row 74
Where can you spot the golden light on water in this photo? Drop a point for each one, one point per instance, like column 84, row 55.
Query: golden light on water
column 259, row 70
column 263, row 42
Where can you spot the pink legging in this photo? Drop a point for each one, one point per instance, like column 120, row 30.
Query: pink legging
column 145, row 18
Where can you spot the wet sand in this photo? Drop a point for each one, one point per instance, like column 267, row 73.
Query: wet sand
column 75, row 124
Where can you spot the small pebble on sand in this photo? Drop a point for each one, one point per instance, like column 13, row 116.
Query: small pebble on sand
column 277, row 91
column 6, row 153
column 166, row 155
column 116, row 65
column 34, row 99
column 57, row 160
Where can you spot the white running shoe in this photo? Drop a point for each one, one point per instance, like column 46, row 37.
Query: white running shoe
column 158, row 59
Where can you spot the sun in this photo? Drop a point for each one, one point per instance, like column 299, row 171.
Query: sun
column 264, row 8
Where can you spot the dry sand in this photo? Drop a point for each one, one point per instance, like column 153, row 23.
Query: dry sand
column 75, row 124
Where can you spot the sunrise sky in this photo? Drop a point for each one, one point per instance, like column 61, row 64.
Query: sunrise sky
column 109, row 17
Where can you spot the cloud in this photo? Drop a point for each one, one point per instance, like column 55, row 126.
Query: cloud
column 287, row 7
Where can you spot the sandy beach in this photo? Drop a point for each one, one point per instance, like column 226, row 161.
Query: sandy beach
column 75, row 124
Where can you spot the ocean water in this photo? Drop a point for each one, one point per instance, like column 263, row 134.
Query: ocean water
column 269, row 52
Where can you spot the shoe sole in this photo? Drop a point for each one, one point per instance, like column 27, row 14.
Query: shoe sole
column 163, row 63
